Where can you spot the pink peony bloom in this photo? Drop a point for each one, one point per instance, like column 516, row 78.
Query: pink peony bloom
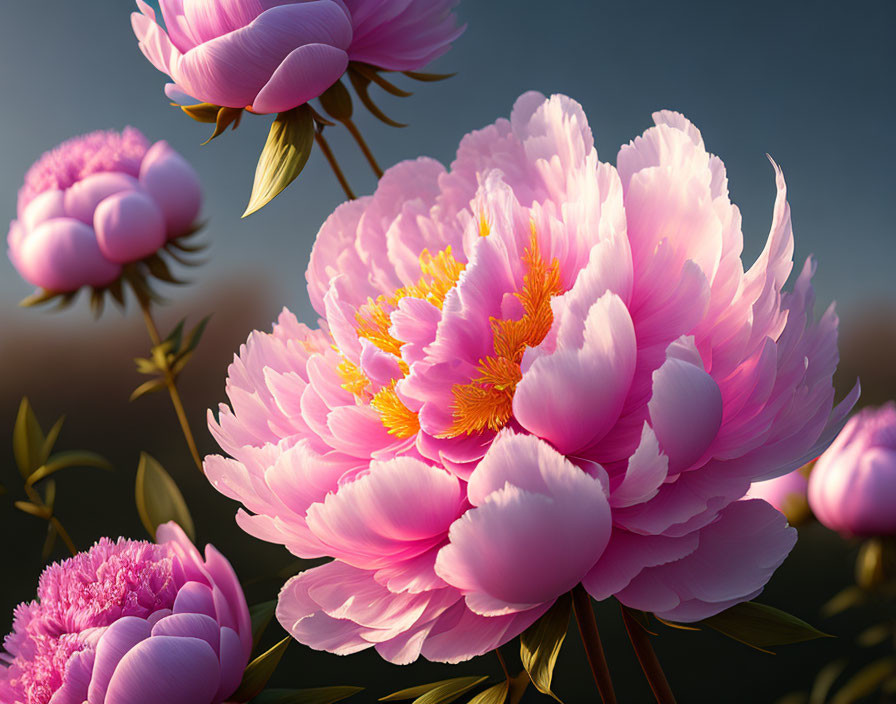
column 130, row 623
column 533, row 370
column 273, row 55
column 853, row 487
column 786, row 493
column 97, row 202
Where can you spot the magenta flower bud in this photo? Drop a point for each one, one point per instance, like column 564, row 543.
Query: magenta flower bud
column 853, row 487
column 130, row 622
column 273, row 55
column 97, row 202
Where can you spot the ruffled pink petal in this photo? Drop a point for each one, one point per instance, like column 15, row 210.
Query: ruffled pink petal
column 116, row 642
column 166, row 669
column 63, row 255
column 736, row 556
column 574, row 396
column 366, row 523
column 83, row 197
column 539, row 525
column 190, row 626
column 173, row 185
column 129, row 226
column 304, row 74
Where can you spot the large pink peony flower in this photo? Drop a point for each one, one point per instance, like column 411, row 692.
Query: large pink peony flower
column 852, row 488
column 130, row 623
column 274, row 55
column 97, row 202
column 533, row 370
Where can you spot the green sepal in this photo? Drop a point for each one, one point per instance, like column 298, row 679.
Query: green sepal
column 540, row 644
column 316, row 695
column 284, row 156
column 224, row 119
column 259, row 671
column 361, row 84
column 158, row 498
column 428, row 77
column 201, row 112
column 441, row 692
column 371, row 73
column 337, row 102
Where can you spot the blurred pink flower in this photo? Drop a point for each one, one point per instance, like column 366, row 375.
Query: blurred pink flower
column 533, row 370
column 97, row 202
column 786, row 493
column 130, row 623
column 274, row 55
column 853, row 487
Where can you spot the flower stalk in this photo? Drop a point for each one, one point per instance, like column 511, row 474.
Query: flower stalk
column 334, row 165
column 581, row 602
column 656, row 678
column 170, row 381
column 362, row 144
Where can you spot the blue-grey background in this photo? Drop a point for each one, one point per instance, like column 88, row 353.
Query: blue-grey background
column 811, row 83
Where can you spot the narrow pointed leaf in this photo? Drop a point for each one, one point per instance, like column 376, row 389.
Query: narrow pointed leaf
column 261, row 615
column 866, row 681
column 316, row 695
column 64, row 460
column 158, row 498
column 196, row 334
column 202, row 112
column 672, row 624
column 117, row 292
column 497, row 694
column 843, row 600
column 540, row 644
column 361, row 85
column 761, row 626
column 50, row 495
column 27, row 439
column 33, row 509
column 518, row 687
column 158, row 268
column 176, row 335
column 428, row 77
column 441, row 692
column 259, row 671
column 50, row 440
column 224, row 119
column 148, row 387
column 373, row 75
column 284, row 156
column 37, row 298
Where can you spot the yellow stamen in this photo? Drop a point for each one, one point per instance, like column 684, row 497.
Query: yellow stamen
column 401, row 421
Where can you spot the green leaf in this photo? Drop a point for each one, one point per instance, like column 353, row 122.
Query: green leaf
column 202, row 112
column 158, row 498
column 540, row 644
column 496, row 694
column 760, row 626
column 284, row 156
column 147, row 387
column 27, row 440
column 261, row 615
column 875, row 635
column 843, row 600
column 317, row 695
column 37, row 298
column 196, row 335
column 158, row 268
column 337, row 102
column 441, row 692
column 176, row 335
column 866, row 681
column 146, row 366
column 64, row 460
column 224, row 119
column 518, row 687
column 259, row 671
column 824, row 681
column 372, row 74
column 50, row 495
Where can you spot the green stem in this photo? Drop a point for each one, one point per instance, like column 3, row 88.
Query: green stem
column 356, row 133
column 170, row 383
column 334, row 165
column 581, row 602
column 647, row 657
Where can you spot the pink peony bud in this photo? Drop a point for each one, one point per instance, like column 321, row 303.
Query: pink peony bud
column 853, row 486
column 535, row 370
column 97, row 202
column 274, row 55
column 130, row 623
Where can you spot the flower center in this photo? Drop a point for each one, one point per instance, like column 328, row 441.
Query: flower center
column 486, row 401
